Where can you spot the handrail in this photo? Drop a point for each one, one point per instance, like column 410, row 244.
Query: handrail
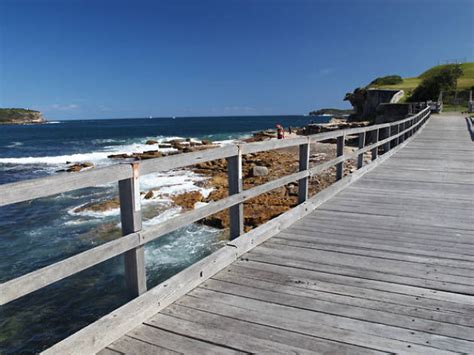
column 133, row 241
column 42, row 187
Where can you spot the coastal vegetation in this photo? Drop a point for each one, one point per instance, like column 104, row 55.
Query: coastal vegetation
column 455, row 80
column 465, row 81
column 387, row 80
column 20, row 116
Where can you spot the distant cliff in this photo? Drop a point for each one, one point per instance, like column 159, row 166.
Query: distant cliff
column 331, row 111
column 20, row 116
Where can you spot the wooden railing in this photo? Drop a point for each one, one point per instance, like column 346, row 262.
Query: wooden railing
column 381, row 139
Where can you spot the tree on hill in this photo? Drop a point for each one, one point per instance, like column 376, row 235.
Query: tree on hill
column 445, row 80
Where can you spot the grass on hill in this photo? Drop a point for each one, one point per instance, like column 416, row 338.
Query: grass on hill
column 465, row 82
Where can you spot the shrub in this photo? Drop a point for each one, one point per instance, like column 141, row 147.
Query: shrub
column 444, row 80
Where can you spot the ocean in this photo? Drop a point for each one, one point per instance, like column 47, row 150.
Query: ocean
column 37, row 233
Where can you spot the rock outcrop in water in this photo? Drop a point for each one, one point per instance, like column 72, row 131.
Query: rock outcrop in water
column 20, row 116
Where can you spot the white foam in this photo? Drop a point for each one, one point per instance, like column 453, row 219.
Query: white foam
column 14, row 145
column 56, row 160
column 168, row 214
column 97, row 158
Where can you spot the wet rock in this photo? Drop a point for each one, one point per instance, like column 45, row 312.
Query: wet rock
column 150, row 154
column 149, row 195
column 74, row 168
column 187, row 200
column 258, row 170
column 151, row 142
column 292, row 190
column 101, row 206
column 119, row 156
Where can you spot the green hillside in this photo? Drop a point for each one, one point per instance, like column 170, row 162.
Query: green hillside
column 409, row 84
column 20, row 116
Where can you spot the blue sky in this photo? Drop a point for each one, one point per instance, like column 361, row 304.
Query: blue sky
column 79, row 59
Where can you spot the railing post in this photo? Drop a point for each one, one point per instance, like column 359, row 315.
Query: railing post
column 234, row 175
column 376, row 140
column 303, row 165
column 339, row 152
column 399, row 139
column 386, row 146
column 131, row 218
column 360, row 157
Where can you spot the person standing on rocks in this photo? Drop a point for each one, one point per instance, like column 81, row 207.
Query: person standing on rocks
column 280, row 131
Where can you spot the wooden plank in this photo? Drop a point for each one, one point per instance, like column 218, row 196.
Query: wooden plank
column 443, row 278
column 236, row 212
column 252, row 337
column 395, row 295
column 35, row 188
column 220, row 281
column 182, row 160
column 350, row 314
column 272, row 144
column 216, row 335
column 131, row 346
column 179, row 343
column 375, row 234
column 324, row 240
column 300, row 320
column 455, row 291
column 376, row 289
column 456, row 267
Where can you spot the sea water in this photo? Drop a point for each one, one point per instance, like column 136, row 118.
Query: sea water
column 37, row 233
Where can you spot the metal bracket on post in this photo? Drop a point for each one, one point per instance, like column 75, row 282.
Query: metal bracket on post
column 339, row 152
column 376, row 140
column 303, row 165
column 360, row 157
column 234, row 175
column 131, row 217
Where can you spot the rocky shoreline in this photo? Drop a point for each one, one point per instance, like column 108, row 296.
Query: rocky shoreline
column 257, row 169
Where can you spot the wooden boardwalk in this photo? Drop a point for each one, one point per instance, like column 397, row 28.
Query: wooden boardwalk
column 387, row 265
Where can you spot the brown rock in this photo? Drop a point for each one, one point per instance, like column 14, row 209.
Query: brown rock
column 149, row 195
column 149, row 154
column 187, row 200
column 99, row 206
column 151, row 142
column 78, row 167
column 119, row 156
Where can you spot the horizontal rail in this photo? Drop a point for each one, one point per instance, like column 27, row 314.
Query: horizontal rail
column 51, row 185
column 50, row 274
column 40, row 278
